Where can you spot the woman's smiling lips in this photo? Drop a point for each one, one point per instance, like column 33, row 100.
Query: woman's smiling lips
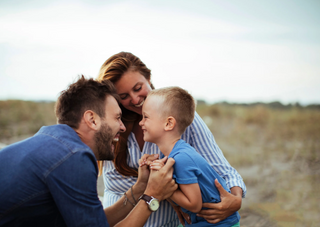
column 139, row 105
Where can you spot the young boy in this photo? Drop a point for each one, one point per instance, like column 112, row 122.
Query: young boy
column 167, row 112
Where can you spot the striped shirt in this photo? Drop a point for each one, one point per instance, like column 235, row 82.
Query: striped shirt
column 197, row 135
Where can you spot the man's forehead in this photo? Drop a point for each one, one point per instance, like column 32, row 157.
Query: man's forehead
column 112, row 106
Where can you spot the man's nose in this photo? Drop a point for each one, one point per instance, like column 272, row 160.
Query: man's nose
column 122, row 127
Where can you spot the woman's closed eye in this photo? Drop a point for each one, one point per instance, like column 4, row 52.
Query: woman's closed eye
column 138, row 88
column 123, row 97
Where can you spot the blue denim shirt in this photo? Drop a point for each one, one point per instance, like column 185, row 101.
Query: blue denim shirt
column 50, row 179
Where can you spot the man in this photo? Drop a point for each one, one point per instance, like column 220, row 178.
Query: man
column 50, row 179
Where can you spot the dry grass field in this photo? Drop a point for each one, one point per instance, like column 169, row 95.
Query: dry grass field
column 275, row 148
column 21, row 119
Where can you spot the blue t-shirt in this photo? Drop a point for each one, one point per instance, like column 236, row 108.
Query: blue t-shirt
column 48, row 180
column 189, row 168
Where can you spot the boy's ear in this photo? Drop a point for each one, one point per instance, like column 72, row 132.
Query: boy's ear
column 170, row 123
column 91, row 119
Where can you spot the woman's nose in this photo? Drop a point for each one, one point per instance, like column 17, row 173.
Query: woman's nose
column 135, row 99
column 140, row 123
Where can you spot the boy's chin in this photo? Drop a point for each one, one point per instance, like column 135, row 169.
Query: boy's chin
column 146, row 139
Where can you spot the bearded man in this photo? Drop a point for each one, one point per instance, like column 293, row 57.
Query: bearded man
column 50, row 179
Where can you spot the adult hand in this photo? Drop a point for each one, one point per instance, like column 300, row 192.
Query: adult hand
column 160, row 184
column 219, row 211
column 143, row 171
column 158, row 164
column 147, row 159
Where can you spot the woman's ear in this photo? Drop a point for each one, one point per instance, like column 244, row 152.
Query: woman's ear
column 170, row 123
column 91, row 119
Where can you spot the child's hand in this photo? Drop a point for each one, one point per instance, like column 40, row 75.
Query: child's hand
column 158, row 164
column 147, row 159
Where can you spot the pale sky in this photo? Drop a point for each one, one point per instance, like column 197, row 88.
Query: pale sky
column 236, row 51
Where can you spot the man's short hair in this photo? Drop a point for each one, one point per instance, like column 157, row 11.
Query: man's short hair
column 84, row 94
column 177, row 103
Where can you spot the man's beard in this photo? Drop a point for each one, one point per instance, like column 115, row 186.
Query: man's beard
column 104, row 140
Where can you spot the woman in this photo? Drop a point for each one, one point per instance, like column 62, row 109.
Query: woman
column 132, row 80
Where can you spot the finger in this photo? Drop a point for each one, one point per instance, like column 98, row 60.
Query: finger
column 156, row 168
column 209, row 217
column 145, row 156
column 222, row 191
column 169, row 164
column 158, row 161
column 210, row 211
column 209, row 205
column 152, row 158
column 163, row 160
column 156, row 165
column 214, row 221
column 143, row 167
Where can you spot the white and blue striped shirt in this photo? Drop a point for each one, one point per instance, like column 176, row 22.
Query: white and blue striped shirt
column 197, row 135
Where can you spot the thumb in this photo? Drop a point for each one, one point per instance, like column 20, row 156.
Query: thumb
column 163, row 160
column 221, row 190
column 168, row 165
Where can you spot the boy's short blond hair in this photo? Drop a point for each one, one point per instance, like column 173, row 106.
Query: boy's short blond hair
column 177, row 103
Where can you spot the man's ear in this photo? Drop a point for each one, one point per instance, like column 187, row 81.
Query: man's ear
column 91, row 119
column 170, row 123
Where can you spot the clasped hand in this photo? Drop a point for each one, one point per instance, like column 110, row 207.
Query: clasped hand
column 159, row 183
column 215, row 212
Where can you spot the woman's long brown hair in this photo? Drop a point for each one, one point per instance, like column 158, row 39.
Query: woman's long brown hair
column 113, row 69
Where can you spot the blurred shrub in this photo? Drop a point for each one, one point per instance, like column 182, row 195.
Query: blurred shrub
column 24, row 117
